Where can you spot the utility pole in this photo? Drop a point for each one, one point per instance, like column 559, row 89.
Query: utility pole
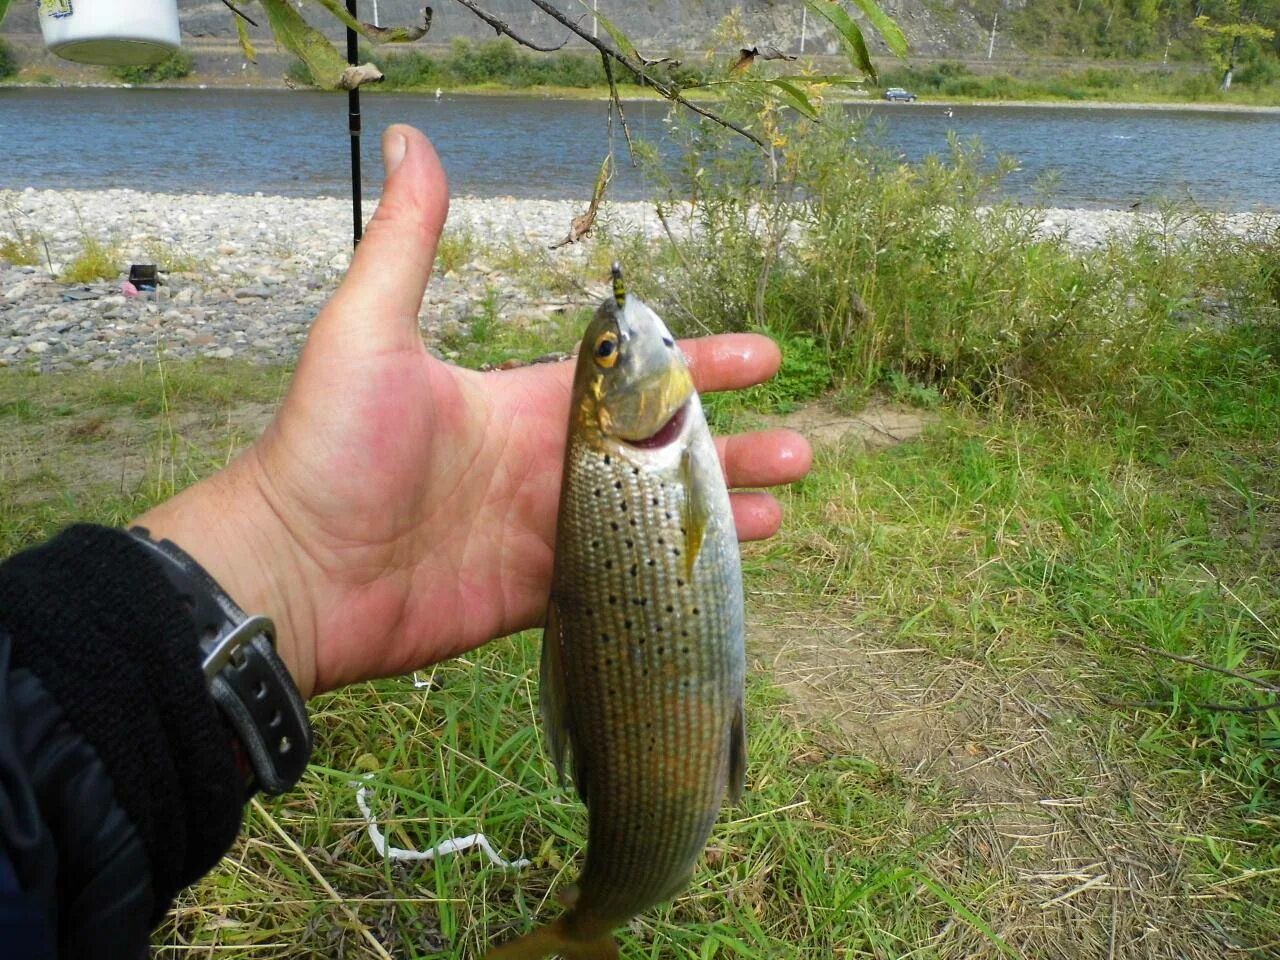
column 991, row 46
column 804, row 26
column 595, row 21
column 375, row 14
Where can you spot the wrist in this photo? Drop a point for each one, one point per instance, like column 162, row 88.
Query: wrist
column 226, row 524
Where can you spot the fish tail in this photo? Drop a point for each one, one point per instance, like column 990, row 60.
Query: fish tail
column 554, row 940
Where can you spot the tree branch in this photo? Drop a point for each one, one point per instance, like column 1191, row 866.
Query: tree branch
column 637, row 69
column 501, row 27
column 1213, row 667
column 239, row 13
column 616, row 103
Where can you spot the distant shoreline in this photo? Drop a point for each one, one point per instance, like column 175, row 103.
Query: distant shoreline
column 602, row 93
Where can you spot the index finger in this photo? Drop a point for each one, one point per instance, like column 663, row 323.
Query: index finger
column 731, row 361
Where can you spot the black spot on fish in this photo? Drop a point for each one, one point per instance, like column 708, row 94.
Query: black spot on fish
column 623, row 505
column 629, row 542
column 675, row 551
column 661, row 651
column 651, row 561
column 608, row 459
column 670, row 608
column 597, row 491
column 679, row 582
column 617, row 485
column 613, row 599
column 633, row 570
column 613, row 524
column 604, row 638
column 608, row 564
column 633, row 521
column 696, row 611
column 595, row 544
column 655, row 502
column 640, row 601
column 684, row 649
column 685, row 633
column 627, row 624
column 641, row 641
column 635, row 471
column 667, row 514
column 661, row 542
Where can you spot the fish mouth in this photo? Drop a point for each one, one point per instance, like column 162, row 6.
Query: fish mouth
column 667, row 433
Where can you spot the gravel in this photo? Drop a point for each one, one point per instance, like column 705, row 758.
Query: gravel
column 251, row 272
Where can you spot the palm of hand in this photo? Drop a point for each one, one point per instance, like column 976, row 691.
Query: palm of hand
column 423, row 500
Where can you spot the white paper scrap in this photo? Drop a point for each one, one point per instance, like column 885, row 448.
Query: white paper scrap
column 454, row 845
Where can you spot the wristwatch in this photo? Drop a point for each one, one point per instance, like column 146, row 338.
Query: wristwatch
column 249, row 682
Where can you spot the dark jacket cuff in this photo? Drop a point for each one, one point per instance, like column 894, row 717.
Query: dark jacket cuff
column 93, row 617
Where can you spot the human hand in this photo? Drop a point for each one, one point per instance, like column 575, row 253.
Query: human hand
column 400, row 510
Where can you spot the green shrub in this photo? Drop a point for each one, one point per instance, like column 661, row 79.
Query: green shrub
column 299, row 74
column 503, row 63
column 176, row 66
column 920, row 272
column 8, row 61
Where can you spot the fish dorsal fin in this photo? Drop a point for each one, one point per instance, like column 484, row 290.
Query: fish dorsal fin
column 697, row 512
column 553, row 699
column 737, row 754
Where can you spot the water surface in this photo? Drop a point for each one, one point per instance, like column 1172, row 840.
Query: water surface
column 294, row 143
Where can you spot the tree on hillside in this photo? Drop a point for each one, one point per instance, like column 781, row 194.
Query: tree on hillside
column 1239, row 35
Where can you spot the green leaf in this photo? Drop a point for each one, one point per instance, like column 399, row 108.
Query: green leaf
column 849, row 33
column 620, row 39
column 885, row 26
column 307, row 43
column 794, row 96
column 4, row 6
column 377, row 34
column 242, row 32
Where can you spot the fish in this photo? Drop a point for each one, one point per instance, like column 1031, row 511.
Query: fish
column 643, row 665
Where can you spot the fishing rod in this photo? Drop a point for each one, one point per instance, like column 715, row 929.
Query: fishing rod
column 353, row 127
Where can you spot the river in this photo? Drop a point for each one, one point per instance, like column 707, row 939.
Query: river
column 294, row 143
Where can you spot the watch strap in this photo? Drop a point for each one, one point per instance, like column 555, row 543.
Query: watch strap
column 247, row 679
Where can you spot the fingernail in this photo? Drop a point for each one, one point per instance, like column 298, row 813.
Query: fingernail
column 393, row 151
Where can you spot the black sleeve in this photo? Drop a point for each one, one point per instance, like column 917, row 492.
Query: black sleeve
column 119, row 784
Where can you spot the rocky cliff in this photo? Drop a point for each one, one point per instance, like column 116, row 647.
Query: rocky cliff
column 933, row 27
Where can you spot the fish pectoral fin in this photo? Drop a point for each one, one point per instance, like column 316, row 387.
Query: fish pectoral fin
column 553, row 697
column 737, row 754
column 697, row 511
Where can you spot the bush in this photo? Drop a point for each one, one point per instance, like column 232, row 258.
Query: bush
column 8, row 62
column 299, row 74
column 501, row 63
column 920, row 272
column 176, row 66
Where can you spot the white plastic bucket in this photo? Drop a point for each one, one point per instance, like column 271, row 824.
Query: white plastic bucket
column 112, row 32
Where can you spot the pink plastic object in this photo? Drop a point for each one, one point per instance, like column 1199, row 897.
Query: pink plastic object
column 128, row 289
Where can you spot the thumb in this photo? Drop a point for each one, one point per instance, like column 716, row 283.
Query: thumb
column 377, row 303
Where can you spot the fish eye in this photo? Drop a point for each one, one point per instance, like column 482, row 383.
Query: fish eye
column 607, row 349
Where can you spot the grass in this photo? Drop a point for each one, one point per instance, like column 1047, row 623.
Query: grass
column 1013, row 683
column 1100, row 81
column 989, row 588
column 20, row 245
column 96, row 260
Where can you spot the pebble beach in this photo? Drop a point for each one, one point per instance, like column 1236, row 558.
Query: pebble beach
column 247, row 274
